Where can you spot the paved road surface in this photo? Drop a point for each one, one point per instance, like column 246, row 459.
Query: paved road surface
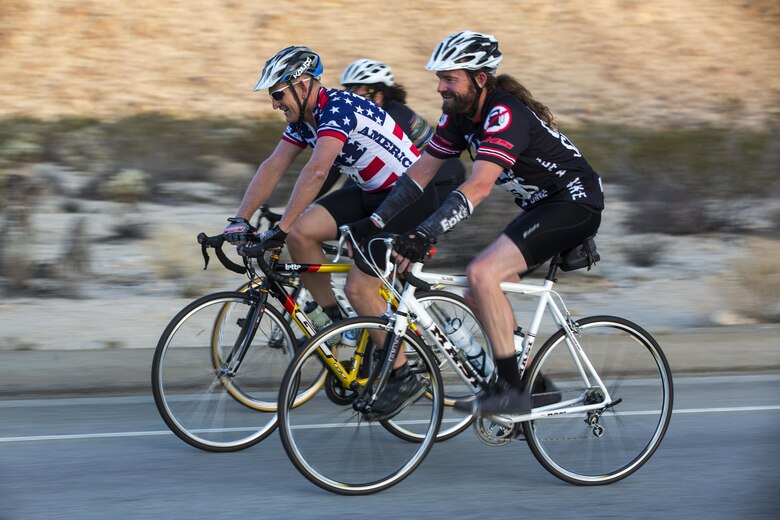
column 112, row 457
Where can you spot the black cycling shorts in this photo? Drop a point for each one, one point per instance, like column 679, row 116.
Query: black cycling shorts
column 350, row 204
column 550, row 228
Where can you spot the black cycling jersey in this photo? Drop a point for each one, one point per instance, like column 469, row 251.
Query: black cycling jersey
column 540, row 163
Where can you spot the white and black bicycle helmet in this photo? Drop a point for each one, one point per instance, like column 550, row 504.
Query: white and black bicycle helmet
column 466, row 50
column 367, row 72
column 288, row 65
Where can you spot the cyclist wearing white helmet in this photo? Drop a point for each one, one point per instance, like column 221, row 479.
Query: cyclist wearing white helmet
column 345, row 130
column 515, row 145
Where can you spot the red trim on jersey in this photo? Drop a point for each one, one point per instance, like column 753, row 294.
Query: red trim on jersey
column 322, row 98
column 414, row 150
column 296, row 143
column 332, row 133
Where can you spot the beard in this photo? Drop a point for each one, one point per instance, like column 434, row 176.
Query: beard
column 459, row 103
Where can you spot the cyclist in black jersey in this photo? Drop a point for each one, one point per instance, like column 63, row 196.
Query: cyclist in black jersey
column 516, row 146
column 374, row 80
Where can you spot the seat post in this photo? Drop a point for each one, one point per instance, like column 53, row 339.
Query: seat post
column 553, row 270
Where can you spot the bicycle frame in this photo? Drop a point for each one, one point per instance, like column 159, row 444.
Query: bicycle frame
column 544, row 292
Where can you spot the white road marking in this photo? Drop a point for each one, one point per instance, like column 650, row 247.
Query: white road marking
column 109, row 435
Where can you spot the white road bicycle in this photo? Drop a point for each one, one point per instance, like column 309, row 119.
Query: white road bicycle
column 610, row 381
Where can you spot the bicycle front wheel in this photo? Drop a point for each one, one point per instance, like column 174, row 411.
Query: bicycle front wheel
column 209, row 392
column 608, row 443
column 344, row 450
column 443, row 305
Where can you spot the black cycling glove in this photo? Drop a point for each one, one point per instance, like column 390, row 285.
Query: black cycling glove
column 413, row 245
column 237, row 230
column 273, row 237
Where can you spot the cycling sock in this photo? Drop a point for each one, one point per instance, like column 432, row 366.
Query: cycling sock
column 507, row 370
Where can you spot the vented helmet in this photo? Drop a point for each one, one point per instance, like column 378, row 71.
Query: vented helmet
column 466, row 50
column 367, row 72
column 288, row 65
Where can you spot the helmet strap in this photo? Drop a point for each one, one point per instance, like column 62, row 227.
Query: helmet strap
column 301, row 104
column 473, row 110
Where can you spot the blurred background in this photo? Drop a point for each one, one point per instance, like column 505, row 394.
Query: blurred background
column 128, row 127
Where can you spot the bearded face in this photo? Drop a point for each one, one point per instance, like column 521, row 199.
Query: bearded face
column 457, row 92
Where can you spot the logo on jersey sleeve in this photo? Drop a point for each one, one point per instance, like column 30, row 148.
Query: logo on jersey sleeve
column 498, row 119
column 443, row 120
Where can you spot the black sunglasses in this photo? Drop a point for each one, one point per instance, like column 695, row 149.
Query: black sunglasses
column 278, row 94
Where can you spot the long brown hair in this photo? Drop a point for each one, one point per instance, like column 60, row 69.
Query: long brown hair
column 514, row 87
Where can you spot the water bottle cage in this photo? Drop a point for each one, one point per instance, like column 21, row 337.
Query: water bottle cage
column 481, row 362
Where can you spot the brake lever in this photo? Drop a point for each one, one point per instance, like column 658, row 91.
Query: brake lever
column 344, row 232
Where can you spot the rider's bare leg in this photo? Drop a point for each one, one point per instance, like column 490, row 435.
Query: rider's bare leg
column 304, row 242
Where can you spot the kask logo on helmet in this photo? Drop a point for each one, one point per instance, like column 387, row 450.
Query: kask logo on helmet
column 302, row 68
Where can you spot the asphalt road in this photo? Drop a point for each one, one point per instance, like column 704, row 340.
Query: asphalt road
column 112, row 457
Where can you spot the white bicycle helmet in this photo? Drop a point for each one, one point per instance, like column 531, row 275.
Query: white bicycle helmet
column 367, row 72
column 466, row 50
column 288, row 65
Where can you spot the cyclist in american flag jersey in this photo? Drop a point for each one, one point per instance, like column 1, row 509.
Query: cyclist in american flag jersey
column 344, row 130
column 375, row 151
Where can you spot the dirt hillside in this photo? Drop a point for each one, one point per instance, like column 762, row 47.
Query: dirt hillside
column 662, row 62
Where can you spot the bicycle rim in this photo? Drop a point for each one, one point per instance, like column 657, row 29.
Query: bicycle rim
column 612, row 442
column 336, row 447
column 207, row 409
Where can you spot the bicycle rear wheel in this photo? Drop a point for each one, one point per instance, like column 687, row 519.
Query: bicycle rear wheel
column 338, row 448
column 609, row 443
column 206, row 401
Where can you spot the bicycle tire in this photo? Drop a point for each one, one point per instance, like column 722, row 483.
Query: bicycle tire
column 339, row 449
column 208, row 410
column 440, row 305
column 606, row 446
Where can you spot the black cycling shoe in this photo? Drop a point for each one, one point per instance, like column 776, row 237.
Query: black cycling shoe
column 402, row 388
column 498, row 399
column 545, row 392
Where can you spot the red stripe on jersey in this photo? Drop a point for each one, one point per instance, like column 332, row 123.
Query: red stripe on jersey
column 414, row 150
column 296, row 143
column 390, row 180
column 322, row 98
column 332, row 133
column 398, row 132
column 371, row 170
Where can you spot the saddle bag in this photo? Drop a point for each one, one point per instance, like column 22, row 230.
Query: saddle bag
column 583, row 255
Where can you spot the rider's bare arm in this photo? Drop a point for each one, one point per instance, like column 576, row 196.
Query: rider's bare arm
column 310, row 180
column 483, row 177
column 267, row 177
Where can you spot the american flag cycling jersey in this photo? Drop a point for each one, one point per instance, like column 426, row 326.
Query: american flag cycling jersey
column 376, row 150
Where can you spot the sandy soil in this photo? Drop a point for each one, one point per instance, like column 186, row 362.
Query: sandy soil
column 667, row 62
